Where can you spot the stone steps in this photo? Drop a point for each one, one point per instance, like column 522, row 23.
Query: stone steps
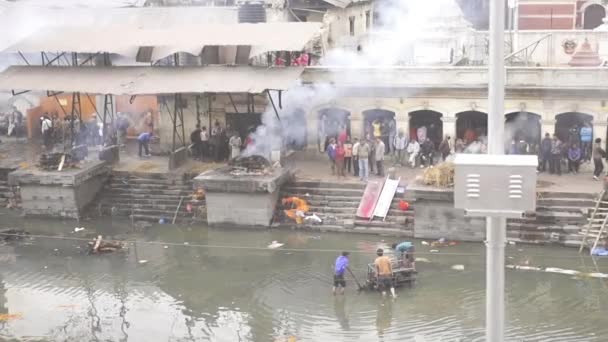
column 324, row 184
column 568, row 202
column 301, row 191
column 571, row 195
column 148, row 197
column 353, row 211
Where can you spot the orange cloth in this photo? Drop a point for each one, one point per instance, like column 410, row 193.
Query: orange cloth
column 297, row 205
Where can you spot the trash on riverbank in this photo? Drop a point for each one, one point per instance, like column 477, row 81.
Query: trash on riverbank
column 12, row 234
column 558, row 270
column 443, row 243
column 275, row 245
column 100, row 247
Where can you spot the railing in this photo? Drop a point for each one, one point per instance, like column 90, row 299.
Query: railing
column 523, row 56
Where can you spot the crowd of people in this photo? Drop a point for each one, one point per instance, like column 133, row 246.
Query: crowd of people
column 219, row 144
column 555, row 155
column 365, row 156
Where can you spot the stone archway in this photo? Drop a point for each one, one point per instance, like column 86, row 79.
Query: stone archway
column 384, row 120
column 568, row 129
column 593, row 16
column 470, row 125
column 331, row 121
column 524, row 126
column 429, row 119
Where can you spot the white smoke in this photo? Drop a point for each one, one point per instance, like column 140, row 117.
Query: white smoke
column 290, row 128
column 411, row 31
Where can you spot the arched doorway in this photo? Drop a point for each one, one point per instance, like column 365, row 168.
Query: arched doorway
column 568, row 129
column 429, row 119
column 593, row 16
column 523, row 126
column 471, row 125
column 331, row 122
column 380, row 121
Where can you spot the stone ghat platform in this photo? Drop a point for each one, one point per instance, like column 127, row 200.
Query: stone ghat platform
column 59, row 193
column 246, row 200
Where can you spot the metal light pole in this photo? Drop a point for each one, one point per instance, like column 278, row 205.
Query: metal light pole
column 496, row 226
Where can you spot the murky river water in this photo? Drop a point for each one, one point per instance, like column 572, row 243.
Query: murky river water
column 185, row 292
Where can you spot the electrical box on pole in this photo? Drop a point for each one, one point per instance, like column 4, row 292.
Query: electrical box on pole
column 495, row 185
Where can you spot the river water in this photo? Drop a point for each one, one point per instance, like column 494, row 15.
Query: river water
column 189, row 283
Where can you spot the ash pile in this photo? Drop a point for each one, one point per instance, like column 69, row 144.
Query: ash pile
column 250, row 166
column 54, row 161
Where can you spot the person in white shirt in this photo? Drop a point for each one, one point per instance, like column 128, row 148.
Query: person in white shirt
column 235, row 146
column 400, row 145
column 46, row 129
column 413, row 148
column 204, row 142
column 356, row 157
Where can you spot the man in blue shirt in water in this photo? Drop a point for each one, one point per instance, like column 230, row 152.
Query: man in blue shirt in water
column 406, row 254
column 339, row 269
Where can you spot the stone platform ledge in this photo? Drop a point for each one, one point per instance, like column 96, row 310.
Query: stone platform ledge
column 220, row 180
column 67, row 177
column 341, row 229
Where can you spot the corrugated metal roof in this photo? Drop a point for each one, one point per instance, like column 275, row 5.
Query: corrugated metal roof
column 339, row 3
column 126, row 40
column 149, row 80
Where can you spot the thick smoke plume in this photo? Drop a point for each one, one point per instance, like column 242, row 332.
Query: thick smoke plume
column 404, row 25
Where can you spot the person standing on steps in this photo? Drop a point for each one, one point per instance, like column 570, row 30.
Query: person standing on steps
column 331, row 153
column 574, row 158
column 413, row 149
column 195, row 138
column 340, row 156
column 555, row 165
column 445, row 148
column 204, row 143
column 597, row 154
column 143, row 141
column 545, row 152
column 400, row 145
column 363, row 153
column 348, row 154
column 356, row 157
column 380, row 151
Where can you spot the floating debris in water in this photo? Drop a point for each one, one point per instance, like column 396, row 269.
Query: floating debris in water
column 423, row 260
column 165, row 247
column 275, row 244
column 512, row 243
column 425, row 243
column 458, row 267
column 143, row 262
column 77, row 229
column 434, row 251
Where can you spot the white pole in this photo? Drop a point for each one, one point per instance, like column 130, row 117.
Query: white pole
column 496, row 226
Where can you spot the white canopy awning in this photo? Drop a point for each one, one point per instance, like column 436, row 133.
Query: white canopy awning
column 126, row 40
column 149, row 80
